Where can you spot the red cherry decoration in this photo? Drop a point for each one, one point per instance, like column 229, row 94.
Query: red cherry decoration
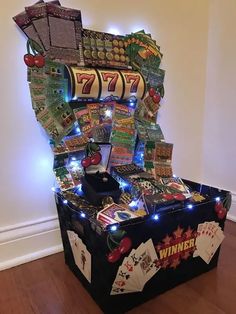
column 222, row 213
column 29, row 60
column 86, row 162
column 114, row 256
column 96, row 158
column 151, row 92
column 179, row 197
column 39, row 61
column 168, row 197
column 218, row 207
column 156, row 98
column 125, row 245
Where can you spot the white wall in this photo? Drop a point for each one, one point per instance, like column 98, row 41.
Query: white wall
column 27, row 210
column 220, row 108
column 219, row 145
column 27, row 205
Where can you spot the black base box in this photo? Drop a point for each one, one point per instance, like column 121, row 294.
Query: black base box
column 173, row 233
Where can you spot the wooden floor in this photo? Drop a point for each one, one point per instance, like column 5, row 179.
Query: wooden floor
column 47, row 286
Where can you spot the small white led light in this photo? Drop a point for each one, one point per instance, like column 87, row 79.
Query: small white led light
column 108, row 113
column 113, row 228
column 156, row 217
column 82, row 215
column 133, row 203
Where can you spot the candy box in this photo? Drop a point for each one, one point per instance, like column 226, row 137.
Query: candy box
column 97, row 183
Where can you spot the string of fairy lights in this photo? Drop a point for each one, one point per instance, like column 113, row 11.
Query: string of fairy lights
column 114, row 227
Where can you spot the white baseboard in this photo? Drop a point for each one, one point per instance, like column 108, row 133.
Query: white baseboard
column 232, row 212
column 25, row 242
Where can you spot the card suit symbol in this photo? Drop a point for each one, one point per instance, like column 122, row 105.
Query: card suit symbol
column 128, row 266
column 120, row 283
column 122, row 274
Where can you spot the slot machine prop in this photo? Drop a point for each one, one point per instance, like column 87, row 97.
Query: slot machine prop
column 130, row 228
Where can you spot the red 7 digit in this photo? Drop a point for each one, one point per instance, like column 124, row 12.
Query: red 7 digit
column 135, row 81
column 89, row 81
column 113, row 80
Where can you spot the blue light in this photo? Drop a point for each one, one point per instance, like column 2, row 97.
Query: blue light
column 123, row 184
column 217, row 199
column 53, row 189
column 190, row 206
column 82, row 215
column 113, row 228
column 79, row 187
column 73, row 164
column 156, row 217
column 65, row 202
column 133, row 203
column 73, row 158
column 77, row 130
column 174, row 176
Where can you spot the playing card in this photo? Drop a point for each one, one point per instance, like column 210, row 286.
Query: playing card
column 216, row 241
column 212, row 247
column 199, row 239
column 145, row 258
column 84, row 262
column 125, row 279
column 128, row 267
column 121, row 290
column 209, row 238
column 81, row 255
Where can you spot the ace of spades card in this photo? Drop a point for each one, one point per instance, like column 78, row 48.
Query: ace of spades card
column 81, row 255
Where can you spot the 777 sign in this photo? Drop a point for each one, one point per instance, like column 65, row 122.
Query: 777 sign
column 99, row 84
